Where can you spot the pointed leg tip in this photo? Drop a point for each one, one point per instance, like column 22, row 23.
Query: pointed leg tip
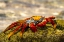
column 9, row 35
column 55, row 26
column 20, row 34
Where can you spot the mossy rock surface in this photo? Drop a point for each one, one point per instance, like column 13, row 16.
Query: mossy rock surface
column 46, row 34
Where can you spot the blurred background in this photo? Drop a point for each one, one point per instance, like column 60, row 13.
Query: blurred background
column 13, row 10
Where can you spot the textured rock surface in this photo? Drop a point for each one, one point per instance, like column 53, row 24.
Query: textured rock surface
column 46, row 34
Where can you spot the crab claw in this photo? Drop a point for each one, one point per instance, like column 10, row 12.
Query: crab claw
column 33, row 27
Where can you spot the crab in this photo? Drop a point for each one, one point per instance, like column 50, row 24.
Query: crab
column 32, row 22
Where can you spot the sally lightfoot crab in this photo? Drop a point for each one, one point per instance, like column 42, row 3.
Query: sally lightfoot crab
column 32, row 22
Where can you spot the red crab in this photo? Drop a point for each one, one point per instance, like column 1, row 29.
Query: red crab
column 32, row 22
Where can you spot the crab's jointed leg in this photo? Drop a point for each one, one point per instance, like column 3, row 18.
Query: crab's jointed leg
column 53, row 23
column 25, row 25
column 17, row 28
column 42, row 24
column 50, row 19
column 46, row 20
column 11, row 26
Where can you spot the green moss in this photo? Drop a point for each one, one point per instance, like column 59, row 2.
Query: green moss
column 42, row 35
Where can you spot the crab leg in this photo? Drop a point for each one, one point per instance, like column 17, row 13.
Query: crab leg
column 25, row 25
column 11, row 33
column 52, row 22
column 11, row 26
column 42, row 24
column 32, row 27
